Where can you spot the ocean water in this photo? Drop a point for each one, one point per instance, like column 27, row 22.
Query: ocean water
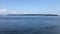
column 29, row 24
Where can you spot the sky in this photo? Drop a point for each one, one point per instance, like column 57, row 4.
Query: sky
column 30, row 7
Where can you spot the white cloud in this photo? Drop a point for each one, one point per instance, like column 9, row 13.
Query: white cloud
column 12, row 12
column 5, row 11
column 2, row 11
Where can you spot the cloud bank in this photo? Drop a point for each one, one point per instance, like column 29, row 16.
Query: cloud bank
column 5, row 11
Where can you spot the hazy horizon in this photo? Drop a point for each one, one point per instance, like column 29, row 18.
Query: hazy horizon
column 29, row 7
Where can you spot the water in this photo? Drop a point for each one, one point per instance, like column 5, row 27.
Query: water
column 30, row 25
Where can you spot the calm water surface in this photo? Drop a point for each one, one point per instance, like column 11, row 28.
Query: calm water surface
column 30, row 25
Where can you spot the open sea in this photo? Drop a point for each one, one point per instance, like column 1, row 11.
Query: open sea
column 29, row 24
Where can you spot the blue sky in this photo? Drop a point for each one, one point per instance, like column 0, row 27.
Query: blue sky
column 30, row 6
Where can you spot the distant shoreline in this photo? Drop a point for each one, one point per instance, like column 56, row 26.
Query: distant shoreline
column 30, row 15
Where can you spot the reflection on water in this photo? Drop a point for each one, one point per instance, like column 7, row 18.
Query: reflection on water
column 30, row 25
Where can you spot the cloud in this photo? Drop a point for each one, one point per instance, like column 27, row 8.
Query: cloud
column 2, row 11
column 5, row 11
column 12, row 12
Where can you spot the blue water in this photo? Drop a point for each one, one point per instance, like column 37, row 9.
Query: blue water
column 30, row 25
